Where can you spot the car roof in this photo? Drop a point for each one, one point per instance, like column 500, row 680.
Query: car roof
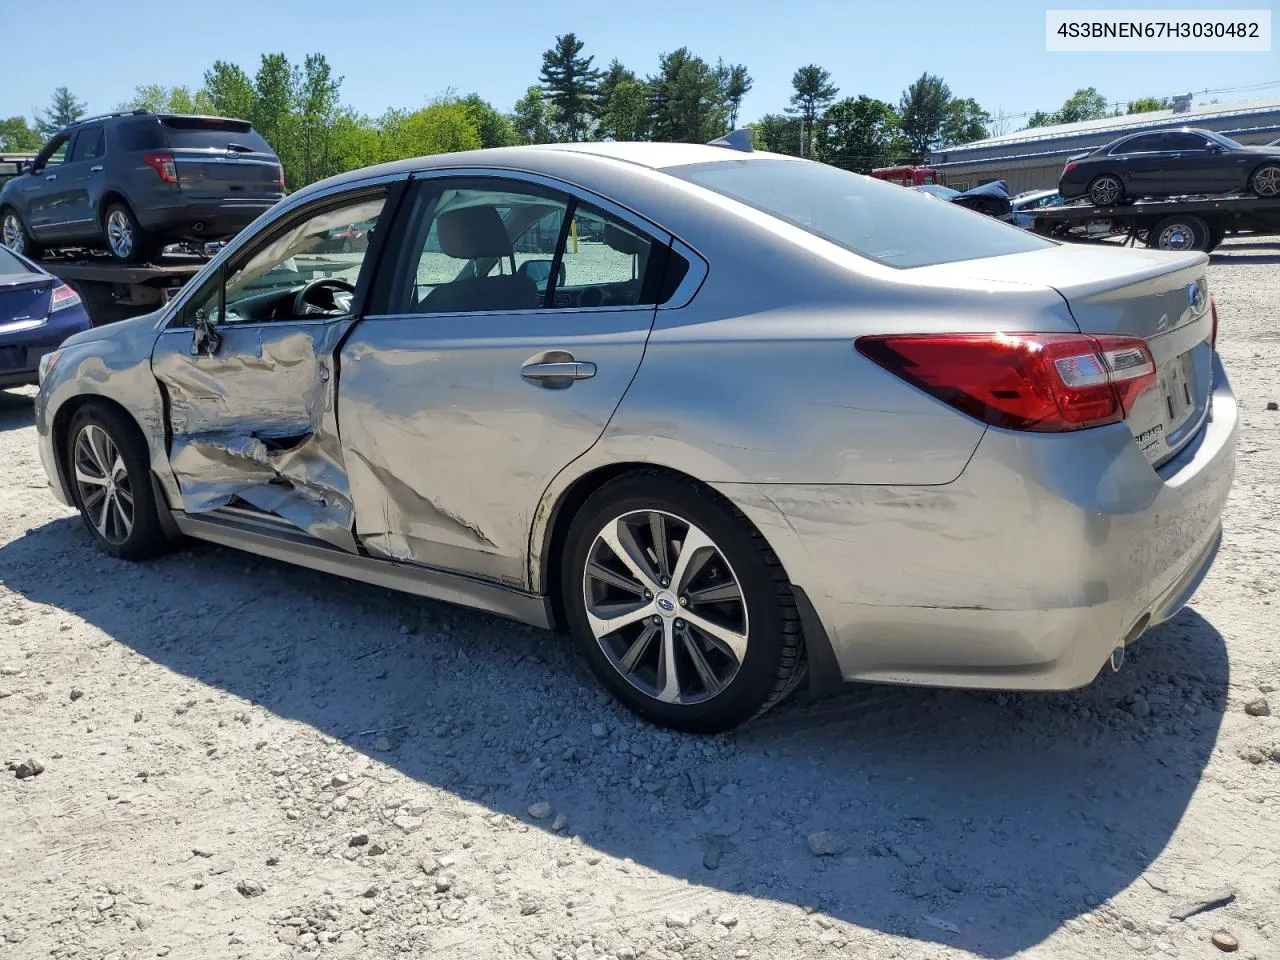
column 654, row 156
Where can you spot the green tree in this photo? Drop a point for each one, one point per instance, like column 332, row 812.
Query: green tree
column 571, row 85
column 777, row 133
column 684, row 100
column 624, row 105
column 1041, row 119
column 275, row 94
column 315, row 110
column 161, row 99
column 495, row 129
column 441, row 127
column 965, row 122
column 531, row 118
column 735, row 83
column 18, row 137
column 1147, row 105
column 1085, row 104
column 924, row 109
column 231, row 91
column 64, row 108
column 858, row 134
column 814, row 92
column 355, row 142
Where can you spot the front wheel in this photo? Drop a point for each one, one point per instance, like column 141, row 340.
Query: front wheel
column 1265, row 181
column 110, row 479
column 679, row 606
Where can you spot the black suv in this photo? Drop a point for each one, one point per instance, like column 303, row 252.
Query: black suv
column 133, row 182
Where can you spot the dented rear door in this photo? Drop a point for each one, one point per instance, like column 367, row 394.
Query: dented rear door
column 252, row 416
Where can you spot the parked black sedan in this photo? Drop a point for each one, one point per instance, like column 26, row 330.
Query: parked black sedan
column 1170, row 163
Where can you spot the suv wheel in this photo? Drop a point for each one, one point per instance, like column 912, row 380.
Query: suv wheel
column 126, row 240
column 679, row 606
column 13, row 233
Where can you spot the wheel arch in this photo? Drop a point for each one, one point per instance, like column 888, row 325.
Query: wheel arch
column 109, row 196
column 61, row 427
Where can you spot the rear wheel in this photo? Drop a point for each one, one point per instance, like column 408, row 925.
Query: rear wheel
column 1265, row 181
column 1179, row 232
column 1106, row 190
column 126, row 239
column 679, row 606
column 110, row 480
column 14, row 235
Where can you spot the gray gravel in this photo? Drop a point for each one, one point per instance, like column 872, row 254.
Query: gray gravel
column 262, row 762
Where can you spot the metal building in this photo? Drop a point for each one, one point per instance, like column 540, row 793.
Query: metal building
column 1032, row 159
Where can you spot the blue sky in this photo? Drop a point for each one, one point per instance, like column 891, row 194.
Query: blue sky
column 401, row 53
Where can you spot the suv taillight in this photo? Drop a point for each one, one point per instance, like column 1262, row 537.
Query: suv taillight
column 280, row 175
column 163, row 164
column 1046, row 382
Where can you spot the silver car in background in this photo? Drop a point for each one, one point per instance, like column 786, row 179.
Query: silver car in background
column 724, row 416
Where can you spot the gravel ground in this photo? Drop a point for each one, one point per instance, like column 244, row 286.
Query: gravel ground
column 214, row 756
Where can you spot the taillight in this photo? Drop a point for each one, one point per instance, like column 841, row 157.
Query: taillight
column 63, row 297
column 1213, row 336
column 1046, row 382
column 280, row 176
column 163, row 164
column 1071, row 165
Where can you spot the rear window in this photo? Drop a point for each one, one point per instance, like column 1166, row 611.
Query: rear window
column 11, row 265
column 892, row 225
column 140, row 135
column 212, row 133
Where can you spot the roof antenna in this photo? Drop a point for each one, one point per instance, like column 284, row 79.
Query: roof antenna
column 739, row 140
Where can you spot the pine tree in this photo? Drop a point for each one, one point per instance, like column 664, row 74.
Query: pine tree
column 814, row 93
column 571, row 86
column 64, row 108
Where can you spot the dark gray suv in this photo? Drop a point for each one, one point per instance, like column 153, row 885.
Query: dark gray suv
column 132, row 182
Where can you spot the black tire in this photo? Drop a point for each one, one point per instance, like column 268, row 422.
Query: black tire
column 1217, row 233
column 1265, row 181
column 1181, row 232
column 773, row 663
column 141, row 245
column 145, row 537
column 26, row 244
column 1106, row 190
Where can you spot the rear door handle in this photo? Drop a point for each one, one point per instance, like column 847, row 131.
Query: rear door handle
column 52, row 176
column 557, row 374
column 96, row 169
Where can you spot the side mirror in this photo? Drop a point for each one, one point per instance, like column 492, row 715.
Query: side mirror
column 206, row 340
column 539, row 271
column 1214, row 147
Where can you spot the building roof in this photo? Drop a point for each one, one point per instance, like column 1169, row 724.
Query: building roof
column 1041, row 138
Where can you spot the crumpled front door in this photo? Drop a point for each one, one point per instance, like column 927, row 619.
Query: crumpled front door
column 255, row 422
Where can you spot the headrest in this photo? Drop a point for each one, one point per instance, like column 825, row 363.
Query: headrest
column 469, row 233
column 623, row 240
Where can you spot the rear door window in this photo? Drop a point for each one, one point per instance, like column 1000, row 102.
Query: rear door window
column 88, row 145
column 874, row 219
column 1145, row 144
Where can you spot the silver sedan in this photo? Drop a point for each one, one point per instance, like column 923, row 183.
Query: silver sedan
column 727, row 417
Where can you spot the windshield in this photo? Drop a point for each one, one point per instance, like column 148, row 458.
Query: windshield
column 1227, row 141
column 879, row 221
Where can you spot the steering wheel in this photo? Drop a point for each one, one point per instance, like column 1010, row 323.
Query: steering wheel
column 303, row 308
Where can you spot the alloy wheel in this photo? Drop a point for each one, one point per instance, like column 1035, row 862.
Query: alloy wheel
column 1106, row 191
column 120, row 233
column 102, row 480
column 1266, row 182
column 665, row 606
column 12, row 234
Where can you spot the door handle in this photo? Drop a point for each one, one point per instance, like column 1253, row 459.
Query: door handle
column 52, row 176
column 97, row 168
column 557, row 374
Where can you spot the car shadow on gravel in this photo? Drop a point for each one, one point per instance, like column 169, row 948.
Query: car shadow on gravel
column 16, row 410
column 978, row 820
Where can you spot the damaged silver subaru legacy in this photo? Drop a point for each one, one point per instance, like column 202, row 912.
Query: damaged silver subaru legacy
column 725, row 416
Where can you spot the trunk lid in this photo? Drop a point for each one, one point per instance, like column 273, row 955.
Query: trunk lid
column 1159, row 296
column 24, row 295
column 220, row 159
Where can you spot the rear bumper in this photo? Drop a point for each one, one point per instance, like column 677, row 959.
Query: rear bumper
column 219, row 219
column 20, row 352
column 1026, row 572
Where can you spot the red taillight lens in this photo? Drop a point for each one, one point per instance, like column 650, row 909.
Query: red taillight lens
column 163, row 164
column 280, row 176
column 1213, row 336
column 63, row 297
column 1046, row 382
column 1071, row 165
